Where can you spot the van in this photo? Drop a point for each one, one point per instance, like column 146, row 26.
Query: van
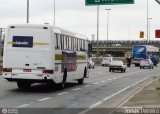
column 106, row 61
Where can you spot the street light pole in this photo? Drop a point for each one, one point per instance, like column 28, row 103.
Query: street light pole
column 107, row 25
column 147, row 20
column 149, row 29
column 97, row 31
column 54, row 21
column 27, row 11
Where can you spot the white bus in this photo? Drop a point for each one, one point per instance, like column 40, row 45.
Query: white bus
column 41, row 53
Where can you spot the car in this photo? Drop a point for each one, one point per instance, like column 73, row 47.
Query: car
column 106, row 61
column 117, row 65
column 146, row 63
column 91, row 64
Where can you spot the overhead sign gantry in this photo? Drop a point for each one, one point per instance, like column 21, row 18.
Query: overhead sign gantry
column 108, row 2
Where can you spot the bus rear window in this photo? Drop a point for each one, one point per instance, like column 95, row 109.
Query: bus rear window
column 22, row 41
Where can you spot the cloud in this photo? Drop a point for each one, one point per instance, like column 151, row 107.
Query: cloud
column 75, row 16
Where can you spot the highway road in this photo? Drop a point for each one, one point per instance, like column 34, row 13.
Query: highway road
column 102, row 90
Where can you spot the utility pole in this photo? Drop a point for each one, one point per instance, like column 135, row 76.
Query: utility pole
column 54, row 21
column 97, row 31
column 147, row 20
column 27, row 11
column 107, row 27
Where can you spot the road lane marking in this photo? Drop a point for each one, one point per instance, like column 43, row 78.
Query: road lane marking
column 118, row 77
column 62, row 93
column 24, row 105
column 76, row 89
column 31, row 102
column 87, row 85
column 109, row 97
column 134, row 93
column 45, row 99
column 103, row 81
column 114, row 77
column 96, row 104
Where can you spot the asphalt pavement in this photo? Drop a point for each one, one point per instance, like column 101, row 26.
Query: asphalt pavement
column 102, row 90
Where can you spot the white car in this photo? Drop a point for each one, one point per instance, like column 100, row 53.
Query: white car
column 117, row 65
column 146, row 63
column 91, row 64
column 106, row 61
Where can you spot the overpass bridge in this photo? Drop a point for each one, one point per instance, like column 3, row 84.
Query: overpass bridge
column 120, row 46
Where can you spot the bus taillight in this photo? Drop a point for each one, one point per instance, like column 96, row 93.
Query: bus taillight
column 48, row 71
column 7, row 70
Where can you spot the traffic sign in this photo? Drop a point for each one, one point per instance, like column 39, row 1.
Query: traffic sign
column 141, row 34
column 108, row 2
column 157, row 33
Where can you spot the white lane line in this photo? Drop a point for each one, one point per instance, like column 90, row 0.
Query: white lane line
column 24, row 105
column 109, row 97
column 114, row 77
column 103, row 81
column 96, row 83
column 109, row 79
column 96, row 104
column 31, row 102
column 76, row 89
column 62, row 93
column 45, row 99
column 87, row 85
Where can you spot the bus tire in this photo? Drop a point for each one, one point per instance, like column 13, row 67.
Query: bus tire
column 81, row 81
column 62, row 85
column 23, row 84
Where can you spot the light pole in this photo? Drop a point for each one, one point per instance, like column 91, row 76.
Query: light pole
column 97, row 32
column 147, row 20
column 149, row 29
column 54, row 21
column 27, row 11
column 107, row 25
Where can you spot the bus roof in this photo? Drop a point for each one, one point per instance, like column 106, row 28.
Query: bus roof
column 56, row 29
column 66, row 32
column 29, row 25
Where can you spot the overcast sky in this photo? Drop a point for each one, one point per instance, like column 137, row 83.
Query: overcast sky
column 125, row 22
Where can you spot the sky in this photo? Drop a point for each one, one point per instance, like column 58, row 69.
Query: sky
column 125, row 21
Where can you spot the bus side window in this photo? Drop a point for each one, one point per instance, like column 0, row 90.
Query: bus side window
column 77, row 44
column 59, row 41
column 56, row 41
column 62, row 41
column 84, row 45
column 70, row 45
column 67, row 42
column 80, row 45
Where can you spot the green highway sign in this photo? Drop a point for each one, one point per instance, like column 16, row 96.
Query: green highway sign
column 108, row 2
